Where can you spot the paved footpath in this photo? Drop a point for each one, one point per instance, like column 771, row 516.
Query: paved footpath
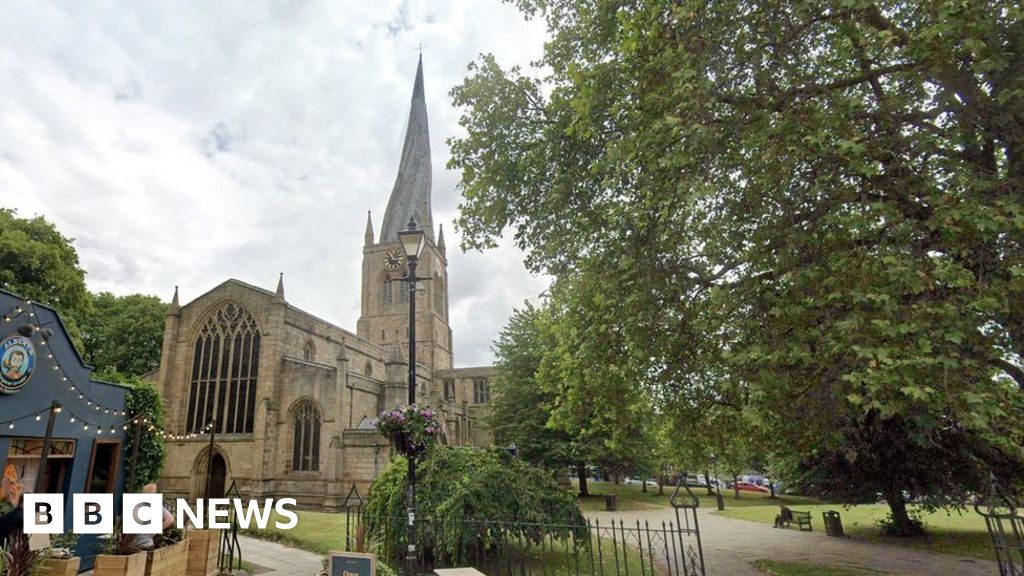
column 731, row 546
column 273, row 559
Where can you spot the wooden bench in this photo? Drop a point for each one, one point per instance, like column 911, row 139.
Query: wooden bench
column 801, row 519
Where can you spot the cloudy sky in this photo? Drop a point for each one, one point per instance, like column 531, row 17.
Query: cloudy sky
column 187, row 143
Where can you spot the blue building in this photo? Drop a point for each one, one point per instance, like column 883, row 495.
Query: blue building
column 42, row 375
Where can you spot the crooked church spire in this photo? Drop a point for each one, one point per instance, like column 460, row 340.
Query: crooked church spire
column 410, row 198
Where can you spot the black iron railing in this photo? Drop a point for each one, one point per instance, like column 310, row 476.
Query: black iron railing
column 1004, row 519
column 230, row 554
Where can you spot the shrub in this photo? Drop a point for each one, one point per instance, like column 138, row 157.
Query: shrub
column 465, row 496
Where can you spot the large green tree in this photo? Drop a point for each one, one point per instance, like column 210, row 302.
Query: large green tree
column 124, row 333
column 814, row 209
column 40, row 263
column 521, row 407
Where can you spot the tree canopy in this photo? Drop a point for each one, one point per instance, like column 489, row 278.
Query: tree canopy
column 124, row 333
column 810, row 212
column 535, row 408
column 40, row 263
column 520, row 405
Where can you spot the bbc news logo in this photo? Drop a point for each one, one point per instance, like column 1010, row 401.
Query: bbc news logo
column 143, row 513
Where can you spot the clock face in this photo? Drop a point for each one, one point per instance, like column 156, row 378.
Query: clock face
column 393, row 260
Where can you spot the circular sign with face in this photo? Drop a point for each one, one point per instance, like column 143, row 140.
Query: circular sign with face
column 17, row 361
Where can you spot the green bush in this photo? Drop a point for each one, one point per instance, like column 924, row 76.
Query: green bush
column 464, row 497
column 143, row 398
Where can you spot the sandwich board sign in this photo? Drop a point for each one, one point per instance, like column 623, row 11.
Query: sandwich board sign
column 352, row 564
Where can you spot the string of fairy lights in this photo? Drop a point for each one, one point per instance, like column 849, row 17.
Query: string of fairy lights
column 73, row 418
column 29, row 330
column 189, row 436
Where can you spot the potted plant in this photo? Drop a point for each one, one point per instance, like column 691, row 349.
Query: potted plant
column 16, row 559
column 412, row 430
column 169, row 557
column 121, row 555
column 202, row 552
column 59, row 559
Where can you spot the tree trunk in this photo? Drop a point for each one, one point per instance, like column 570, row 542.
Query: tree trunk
column 736, row 486
column 707, row 478
column 661, row 483
column 581, row 474
column 903, row 525
column 771, row 488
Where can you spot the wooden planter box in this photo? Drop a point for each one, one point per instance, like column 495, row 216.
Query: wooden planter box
column 55, row 567
column 134, row 565
column 168, row 561
column 204, row 545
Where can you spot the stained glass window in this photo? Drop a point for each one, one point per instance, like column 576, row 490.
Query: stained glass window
column 225, row 368
column 306, row 444
column 481, row 391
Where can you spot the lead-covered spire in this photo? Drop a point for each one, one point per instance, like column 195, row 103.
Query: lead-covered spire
column 410, row 198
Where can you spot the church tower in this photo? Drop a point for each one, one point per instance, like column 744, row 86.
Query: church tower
column 385, row 304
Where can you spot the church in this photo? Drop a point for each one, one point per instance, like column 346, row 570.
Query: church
column 292, row 398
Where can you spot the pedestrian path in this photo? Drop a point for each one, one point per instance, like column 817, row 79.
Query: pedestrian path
column 273, row 559
column 731, row 546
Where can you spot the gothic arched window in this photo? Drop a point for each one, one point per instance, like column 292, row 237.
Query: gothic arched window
column 403, row 291
column 306, row 444
column 481, row 391
column 439, row 306
column 309, row 351
column 386, row 295
column 225, row 368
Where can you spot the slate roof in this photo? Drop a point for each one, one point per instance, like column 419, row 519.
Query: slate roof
column 411, row 195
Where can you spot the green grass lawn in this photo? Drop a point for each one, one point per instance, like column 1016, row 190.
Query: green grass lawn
column 780, row 568
column 960, row 534
column 318, row 532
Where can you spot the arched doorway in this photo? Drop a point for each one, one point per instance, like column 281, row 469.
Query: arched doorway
column 217, row 468
column 218, row 474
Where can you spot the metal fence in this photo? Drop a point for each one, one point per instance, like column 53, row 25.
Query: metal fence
column 229, row 556
column 1004, row 519
column 594, row 548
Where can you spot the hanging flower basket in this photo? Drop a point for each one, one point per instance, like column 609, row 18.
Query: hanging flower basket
column 412, row 430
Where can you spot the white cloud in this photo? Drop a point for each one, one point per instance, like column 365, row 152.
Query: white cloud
column 183, row 144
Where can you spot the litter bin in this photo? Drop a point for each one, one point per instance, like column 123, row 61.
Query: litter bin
column 610, row 502
column 833, row 524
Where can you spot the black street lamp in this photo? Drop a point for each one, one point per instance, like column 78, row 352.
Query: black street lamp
column 412, row 244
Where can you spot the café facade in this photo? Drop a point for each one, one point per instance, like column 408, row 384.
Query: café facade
column 63, row 431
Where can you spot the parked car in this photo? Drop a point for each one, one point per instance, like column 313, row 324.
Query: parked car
column 744, row 486
column 631, row 480
column 694, row 481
